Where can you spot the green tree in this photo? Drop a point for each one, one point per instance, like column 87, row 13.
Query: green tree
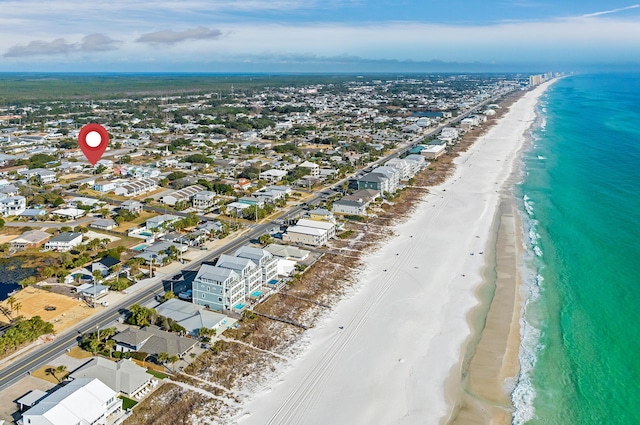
column 109, row 345
column 162, row 357
column 173, row 359
column 168, row 295
column 97, row 275
column 60, row 370
column 265, row 239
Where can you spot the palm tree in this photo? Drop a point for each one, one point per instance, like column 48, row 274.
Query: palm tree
column 172, row 360
column 162, row 357
column 12, row 302
column 94, row 345
column 97, row 275
column 60, row 370
column 17, row 306
column 110, row 345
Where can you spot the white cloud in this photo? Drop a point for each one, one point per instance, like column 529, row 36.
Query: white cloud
column 40, row 47
column 172, row 37
column 59, row 46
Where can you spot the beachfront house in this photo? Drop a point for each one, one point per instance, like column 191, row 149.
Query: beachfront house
column 306, row 235
column 124, row 376
column 192, row 317
column 349, row 207
column 264, row 259
column 153, row 340
column 433, row 151
column 218, row 288
column 249, row 271
column 81, row 401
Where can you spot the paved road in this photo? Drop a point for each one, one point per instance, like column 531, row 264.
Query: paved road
column 48, row 352
column 47, row 223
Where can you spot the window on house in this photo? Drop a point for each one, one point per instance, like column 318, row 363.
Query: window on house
column 219, row 298
column 203, row 296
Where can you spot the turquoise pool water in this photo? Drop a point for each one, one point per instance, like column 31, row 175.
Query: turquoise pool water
column 140, row 247
column 256, row 294
column 239, row 306
column 146, row 233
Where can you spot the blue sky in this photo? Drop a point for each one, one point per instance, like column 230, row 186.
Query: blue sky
column 318, row 36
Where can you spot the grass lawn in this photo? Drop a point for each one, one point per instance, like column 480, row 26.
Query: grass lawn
column 78, row 353
column 43, row 373
column 127, row 403
column 144, row 216
column 156, row 374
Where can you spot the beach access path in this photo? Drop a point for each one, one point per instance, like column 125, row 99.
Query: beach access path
column 384, row 355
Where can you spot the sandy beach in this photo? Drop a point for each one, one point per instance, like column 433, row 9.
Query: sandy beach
column 396, row 351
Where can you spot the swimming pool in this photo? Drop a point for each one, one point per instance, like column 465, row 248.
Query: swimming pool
column 146, row 233
column 140, row 247
column 256, row 294
column 239, row 306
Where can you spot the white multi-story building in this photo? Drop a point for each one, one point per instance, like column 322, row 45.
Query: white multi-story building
column 249, row 271
column 405, row 169
column 64, row 241
column 314, row 169
column 306, row 235
column 203, row 199
column 272, row 175
column 327, row 226
column 13, row 205
column 266, row 261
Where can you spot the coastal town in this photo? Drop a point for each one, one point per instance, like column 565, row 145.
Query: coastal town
column 193, row 243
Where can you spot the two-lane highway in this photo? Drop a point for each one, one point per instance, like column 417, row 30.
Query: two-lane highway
column 49, row 351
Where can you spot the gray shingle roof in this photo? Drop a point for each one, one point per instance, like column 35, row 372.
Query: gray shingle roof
column 122, row 376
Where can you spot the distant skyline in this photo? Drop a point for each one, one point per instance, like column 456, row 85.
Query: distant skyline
column 318, row 36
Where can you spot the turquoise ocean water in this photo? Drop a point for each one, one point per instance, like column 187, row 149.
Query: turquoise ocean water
column 580, row 200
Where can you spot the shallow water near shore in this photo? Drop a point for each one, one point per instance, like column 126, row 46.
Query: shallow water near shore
column 579, row 201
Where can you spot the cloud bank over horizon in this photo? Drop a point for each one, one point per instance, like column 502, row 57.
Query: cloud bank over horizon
column 291, row 35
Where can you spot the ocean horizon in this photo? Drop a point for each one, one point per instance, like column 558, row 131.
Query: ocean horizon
column 579, row 200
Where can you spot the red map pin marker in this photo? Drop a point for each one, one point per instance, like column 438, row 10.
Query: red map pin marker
column 93, row 139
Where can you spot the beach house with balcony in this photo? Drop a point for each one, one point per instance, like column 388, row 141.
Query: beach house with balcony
column 81, row 401
column 12, row 205
column 267, row 263
column 64, row 241
column 218, row 288
column 249, row 271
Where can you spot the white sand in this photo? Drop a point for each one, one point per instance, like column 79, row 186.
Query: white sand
column 405, row 328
